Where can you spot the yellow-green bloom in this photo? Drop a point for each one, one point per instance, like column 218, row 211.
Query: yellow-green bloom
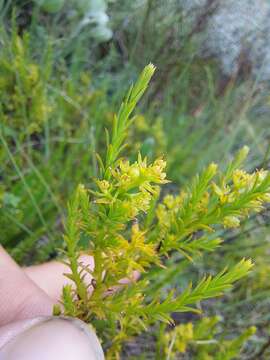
column 231, row 222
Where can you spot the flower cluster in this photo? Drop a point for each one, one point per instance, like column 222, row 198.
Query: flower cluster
column 242, row 182
column 243, row 194
column 131, row 187
column 139, row 174
column 213, row 199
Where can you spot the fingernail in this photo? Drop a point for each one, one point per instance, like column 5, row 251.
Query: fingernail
column 54, row 338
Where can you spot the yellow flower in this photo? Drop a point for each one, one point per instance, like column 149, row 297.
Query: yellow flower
column 134, row 172
column 241, row 179
column 184, row 334
column 256, row 205
column 169, row 201
column 157, row 170
column 212, row 169
column 224, row 194
column 163, row 215
column 104, row 185
column 231, row 222
column 265, row 197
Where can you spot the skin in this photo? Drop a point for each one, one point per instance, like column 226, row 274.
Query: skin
column 27, row 299
column 30, row 292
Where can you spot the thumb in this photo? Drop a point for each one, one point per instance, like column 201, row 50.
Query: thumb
column 50, row 338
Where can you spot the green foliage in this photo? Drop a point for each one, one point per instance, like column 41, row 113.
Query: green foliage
column 51, row 6
column 202, row 340
column 24, row 101
column 118, row 220
column 41, row 121
column 207, row 204
column 9, row 209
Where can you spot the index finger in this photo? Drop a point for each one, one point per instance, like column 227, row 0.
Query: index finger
column 20, row 297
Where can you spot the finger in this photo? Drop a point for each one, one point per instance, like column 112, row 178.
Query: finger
column 50, row 276
column 67, row 339
column 20, row 297
column 51, row 279
column 11, row 330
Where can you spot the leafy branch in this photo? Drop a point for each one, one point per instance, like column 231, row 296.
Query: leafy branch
column 128, row 229
column 122, row 120
column 208, row 287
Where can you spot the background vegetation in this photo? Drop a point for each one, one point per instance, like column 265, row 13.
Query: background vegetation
column 64, row 67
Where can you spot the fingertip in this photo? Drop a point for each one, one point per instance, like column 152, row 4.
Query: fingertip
column 54, row 338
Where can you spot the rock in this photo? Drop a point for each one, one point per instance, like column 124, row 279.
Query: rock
column 237, row 31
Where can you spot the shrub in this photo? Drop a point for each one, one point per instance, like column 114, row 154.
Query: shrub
column 24, row 104
column 128, row 228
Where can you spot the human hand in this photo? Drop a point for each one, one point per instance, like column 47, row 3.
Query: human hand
column 27, row 329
